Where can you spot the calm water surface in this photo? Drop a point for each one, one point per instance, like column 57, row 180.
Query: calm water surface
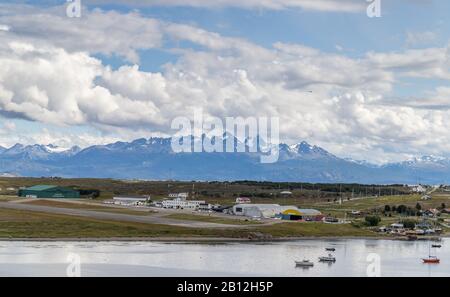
column 398, row 258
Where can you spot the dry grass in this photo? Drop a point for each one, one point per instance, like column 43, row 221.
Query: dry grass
column 93, row 207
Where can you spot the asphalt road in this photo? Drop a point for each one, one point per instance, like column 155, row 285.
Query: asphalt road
column 151, row 219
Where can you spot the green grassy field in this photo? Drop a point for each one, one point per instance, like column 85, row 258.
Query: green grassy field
column 91, row 206
column 211, row 219
column 369, row 204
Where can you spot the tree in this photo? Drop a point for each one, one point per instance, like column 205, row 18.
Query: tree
column 418, row 206
column 372, row 220
column 443, row 206
column 402, row 209
column 387, row 208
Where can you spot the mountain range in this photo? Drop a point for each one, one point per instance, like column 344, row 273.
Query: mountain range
column 153, row 159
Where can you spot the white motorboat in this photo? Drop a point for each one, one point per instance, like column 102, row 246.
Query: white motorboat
column 330, row 258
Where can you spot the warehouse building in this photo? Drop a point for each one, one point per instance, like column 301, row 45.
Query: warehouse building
column 256, row 210
column 275, row 210
column 131, row 200
column 44, row 191
column 310, row 215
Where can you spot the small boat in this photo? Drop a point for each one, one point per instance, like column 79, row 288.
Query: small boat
column 304, row 263
column 330, row 249
column 431, row 260
column 330, row 258
column 436, row 246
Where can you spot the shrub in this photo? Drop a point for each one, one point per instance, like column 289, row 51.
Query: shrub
column 409, row 224
column 372, row 220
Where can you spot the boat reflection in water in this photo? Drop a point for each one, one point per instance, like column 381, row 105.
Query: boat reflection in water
column 304, row 264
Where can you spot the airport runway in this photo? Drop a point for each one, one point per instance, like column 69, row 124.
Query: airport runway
column 151, row 219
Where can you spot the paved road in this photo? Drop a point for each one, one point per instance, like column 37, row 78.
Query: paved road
column 151, row 219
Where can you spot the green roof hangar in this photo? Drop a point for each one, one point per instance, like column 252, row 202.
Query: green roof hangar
column 44, row 191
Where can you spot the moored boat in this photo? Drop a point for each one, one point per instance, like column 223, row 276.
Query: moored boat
column 330, row 258
column 431, row 260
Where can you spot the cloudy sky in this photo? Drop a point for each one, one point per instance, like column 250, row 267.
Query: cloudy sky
column 369, row 88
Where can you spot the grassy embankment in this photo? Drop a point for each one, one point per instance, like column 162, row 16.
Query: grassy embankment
column 24, row 224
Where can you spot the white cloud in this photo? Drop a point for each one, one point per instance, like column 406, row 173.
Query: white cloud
column 4, row 28
column 50, row 85
column 433, row 63
column 57, row 81
column 314, row 5
column 104, row 32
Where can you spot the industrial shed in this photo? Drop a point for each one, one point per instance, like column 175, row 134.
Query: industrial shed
column 291, row 213
column 256, row 210
column 44, row 191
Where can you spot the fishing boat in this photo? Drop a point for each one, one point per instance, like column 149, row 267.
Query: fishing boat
column 330, row 249
column 330, row 258
column 304, row 263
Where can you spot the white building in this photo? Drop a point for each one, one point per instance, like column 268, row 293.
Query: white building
column 205, row 207
column 418, row 189
column 131, row 200
column 397, row 226
column 181, row 203
column 179, row 195
column 243, row 200
column 426, row 197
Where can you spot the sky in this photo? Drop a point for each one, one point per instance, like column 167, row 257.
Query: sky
column 374, row 89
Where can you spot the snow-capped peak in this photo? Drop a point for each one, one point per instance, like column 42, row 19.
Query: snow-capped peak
column 51, row 148
column 429, row 159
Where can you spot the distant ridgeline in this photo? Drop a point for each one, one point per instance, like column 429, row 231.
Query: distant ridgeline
column 154, row 159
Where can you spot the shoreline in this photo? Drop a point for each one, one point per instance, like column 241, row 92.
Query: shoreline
column 209, row 239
